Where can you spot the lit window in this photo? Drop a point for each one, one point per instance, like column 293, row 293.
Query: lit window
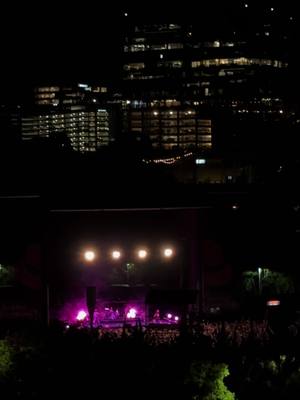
column 159, row 46
column 172, row 46
column 134, row 66
column 171, row 64
column 137, row 47
column 200, row 161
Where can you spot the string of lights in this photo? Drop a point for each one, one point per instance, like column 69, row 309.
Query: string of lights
column 168, row 161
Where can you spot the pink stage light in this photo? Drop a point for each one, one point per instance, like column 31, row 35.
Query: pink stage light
column 169, row 316
column 131, row 313
column 176, row 318
column 81, row 315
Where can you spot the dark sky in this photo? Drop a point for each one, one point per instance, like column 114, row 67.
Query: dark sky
column 56, row 43
column 64, row 40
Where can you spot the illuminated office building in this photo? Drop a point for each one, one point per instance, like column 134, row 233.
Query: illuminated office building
column 179, row 79
column 87, row 130
column 80, row 112
column 172, row 127
column 69, row 95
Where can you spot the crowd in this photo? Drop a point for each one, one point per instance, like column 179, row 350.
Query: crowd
column 212, row 333
column 165, row 359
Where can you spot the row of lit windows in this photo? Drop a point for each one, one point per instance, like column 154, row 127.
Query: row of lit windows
column 242, row 61
column 71, row 117
column 67, row 124
column 168, row 144
column 99, row 114
column 170, row 64
column 164, row 64
column 164, row 115
column 144, row 77
column 172, row 114
column 238, row 61
column 45, row 95
column 176, row 139
column 85, row 87
column 47, row 89
column 85, row 121
column 141, row 46
column 100, row 89
column 217, row 43
column 153, row 47
column 157, row 28
column 49, row 99
column 158, row 103
column 39, row 130
column 181, row 128
column 73, row 137
column 174, row 131
column 165, row 103
column 134, row 66
column 53, row 102
column 155, row 126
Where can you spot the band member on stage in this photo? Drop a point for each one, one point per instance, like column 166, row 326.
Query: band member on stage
column 156, row 316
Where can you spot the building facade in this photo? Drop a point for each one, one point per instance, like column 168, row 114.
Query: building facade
column 181, row 80
column 170, row 127
column 79, row 112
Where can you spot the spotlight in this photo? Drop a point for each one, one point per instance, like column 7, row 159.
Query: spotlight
column 81, row 316
column 116, row 254
column 89, row 255
column 168, row 252
column 142, row 253
column 131, row 313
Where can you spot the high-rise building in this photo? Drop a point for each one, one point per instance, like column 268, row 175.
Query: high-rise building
column 80, row 112
column 87, row 130
column 195, row 85
column 69, row 95
column 153, row 89
column 170, row 127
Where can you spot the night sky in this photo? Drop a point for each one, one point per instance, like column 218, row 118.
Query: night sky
column 64, row 41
